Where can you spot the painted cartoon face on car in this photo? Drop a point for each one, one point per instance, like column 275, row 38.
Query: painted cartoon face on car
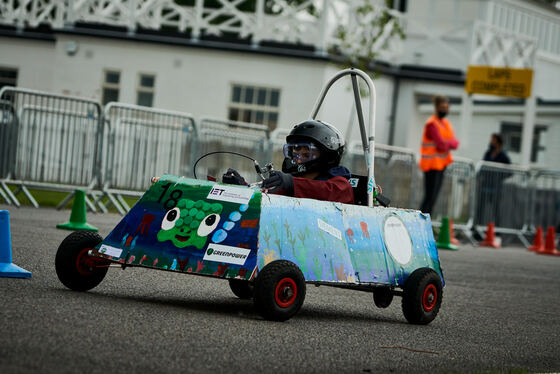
column 190, row 223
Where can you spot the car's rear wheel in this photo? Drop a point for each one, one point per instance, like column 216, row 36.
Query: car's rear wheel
column 241, row 288
column 75, row 268
column 422, row 296
column 279, row 290
column 382, row 297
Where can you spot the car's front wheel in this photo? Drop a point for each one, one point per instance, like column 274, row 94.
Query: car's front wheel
column 279, row 290
column 75, row 268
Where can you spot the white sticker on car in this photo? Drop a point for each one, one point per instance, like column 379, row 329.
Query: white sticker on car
column 239, row 195
column 397, row 240
column 329, row 229
column 110, row 251
column 226, row 253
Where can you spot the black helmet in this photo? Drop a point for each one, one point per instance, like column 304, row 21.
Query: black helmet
column 323, row 135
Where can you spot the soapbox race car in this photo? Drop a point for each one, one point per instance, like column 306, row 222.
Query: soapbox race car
column 269, row 246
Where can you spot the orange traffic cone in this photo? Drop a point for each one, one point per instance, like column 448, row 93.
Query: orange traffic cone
column 490, row 240
column 550, row 243
column 452, row 237
column 538, row 242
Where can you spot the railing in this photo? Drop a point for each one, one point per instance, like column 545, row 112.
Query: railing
column 309, row 22
column 395, row 171
column 217, row 135
column 503, row 197
column 142, row 142
column 524, row 19
column 51, row 141
column 457, row 196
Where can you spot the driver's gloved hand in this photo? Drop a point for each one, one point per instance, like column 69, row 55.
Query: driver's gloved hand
column 231, row 176
column 278, row 180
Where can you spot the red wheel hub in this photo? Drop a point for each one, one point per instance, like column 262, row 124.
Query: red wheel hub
column 429, row 299
column 86, row 264
column 286, row 292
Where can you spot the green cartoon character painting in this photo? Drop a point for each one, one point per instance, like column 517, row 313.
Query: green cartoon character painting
column 190, row 223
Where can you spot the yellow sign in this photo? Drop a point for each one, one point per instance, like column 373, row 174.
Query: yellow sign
column 499, row 81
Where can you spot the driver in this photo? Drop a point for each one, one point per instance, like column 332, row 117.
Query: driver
column 311, row 167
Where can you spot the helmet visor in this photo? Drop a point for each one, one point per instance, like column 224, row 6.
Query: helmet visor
column 301, row 152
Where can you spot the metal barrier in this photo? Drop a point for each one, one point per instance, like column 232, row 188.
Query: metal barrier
column 276, row 141
column 457, row 196
column 8, row 128
column 222, row 135
column 64, row 143
column 394, row 171
column 545, row 201
column 502, row 197
column 56, row 140
column 140, row 143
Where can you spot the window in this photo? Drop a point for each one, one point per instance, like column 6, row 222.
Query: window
column 111, row 83
column 511, row 134
column 8, row 77
column 399, row 5
column 145, row 91
column 254, row 104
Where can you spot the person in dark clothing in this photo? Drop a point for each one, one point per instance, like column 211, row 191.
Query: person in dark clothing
column 491, row 184
column 311, row 167
column 495, row 152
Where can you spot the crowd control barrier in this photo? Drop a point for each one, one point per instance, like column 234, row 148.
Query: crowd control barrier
column 502, row 197
column 217, row 135
column 61, row 143
column 395, row 171
column 8, row 135
column 545, row 201
column 140, row 143
column 56, row 140
column 457, row 196
column 275, row 152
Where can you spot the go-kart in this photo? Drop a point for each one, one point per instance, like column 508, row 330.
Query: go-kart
column 269, row 246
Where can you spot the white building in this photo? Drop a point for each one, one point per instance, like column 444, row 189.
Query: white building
column 269, row 68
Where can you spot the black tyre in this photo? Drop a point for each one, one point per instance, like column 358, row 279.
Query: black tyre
column 241, row 288
column 382, row 297
column 422, row 296
column 74, row 267
column 279, row 290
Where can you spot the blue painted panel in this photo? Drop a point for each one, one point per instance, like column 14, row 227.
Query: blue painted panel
column 333, row 242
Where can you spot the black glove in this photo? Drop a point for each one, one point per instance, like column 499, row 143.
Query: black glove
column 281, row 181
column 233, row 177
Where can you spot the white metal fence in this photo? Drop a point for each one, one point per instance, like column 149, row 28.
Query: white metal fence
column 63, row 143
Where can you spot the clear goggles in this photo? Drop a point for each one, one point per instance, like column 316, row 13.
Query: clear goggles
column 301, row 152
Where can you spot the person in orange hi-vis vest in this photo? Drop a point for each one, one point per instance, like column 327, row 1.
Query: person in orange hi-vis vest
column 438, row 139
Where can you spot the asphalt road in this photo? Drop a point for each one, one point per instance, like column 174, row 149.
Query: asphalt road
column 500, row 312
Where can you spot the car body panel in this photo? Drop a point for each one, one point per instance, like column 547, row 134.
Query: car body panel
column 229, row 250
column 330, row 242
column 341, row 243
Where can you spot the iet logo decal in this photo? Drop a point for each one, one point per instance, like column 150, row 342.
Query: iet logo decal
column 217, row 191
column 233, row 194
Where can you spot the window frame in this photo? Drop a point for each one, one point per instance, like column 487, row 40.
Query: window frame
column 140, row 89
column 270, row 113
column 110, row 86
column 8, row 81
